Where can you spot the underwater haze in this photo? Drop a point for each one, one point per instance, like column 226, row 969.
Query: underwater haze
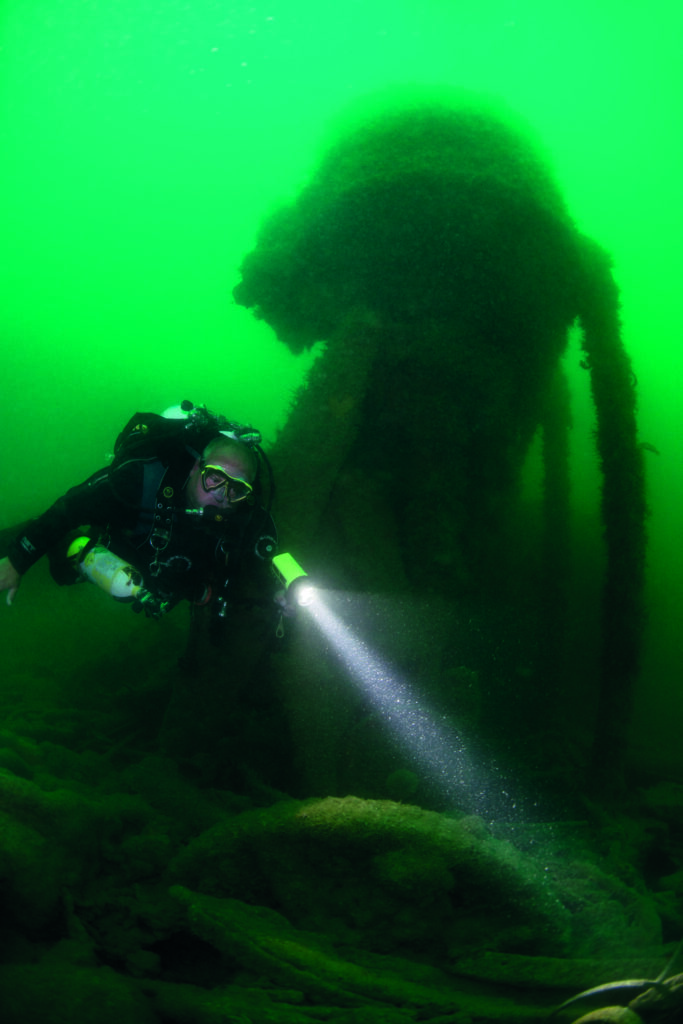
column 144, row 141
column 426, row 794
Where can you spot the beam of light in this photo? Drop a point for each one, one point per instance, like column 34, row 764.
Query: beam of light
column 304, row 593
column 429, row 738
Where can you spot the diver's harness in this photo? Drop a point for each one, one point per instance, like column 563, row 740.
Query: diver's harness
column 199, row 428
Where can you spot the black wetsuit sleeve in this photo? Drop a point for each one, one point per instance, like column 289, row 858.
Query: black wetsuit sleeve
column 107, row 496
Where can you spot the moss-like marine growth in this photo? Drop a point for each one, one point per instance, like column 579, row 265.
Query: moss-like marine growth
column 128, row 893
column 434, row 254
column 393, row 878
column 623, row 505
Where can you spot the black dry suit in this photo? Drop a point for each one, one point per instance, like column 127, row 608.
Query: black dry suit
column 136, row 507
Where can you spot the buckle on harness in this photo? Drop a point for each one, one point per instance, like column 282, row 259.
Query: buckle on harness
column 159, row 540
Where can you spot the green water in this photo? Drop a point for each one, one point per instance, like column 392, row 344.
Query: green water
column 143, row 140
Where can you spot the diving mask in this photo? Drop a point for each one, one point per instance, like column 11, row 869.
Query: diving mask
column 230, row 488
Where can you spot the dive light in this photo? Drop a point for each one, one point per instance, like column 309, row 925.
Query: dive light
column 293, row 578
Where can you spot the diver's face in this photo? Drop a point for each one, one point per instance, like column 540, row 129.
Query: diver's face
column 207, row 485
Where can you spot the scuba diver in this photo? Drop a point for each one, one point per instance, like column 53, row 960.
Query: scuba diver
column 177, row 515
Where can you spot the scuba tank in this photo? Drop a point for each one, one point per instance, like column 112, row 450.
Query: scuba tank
column 101, row 566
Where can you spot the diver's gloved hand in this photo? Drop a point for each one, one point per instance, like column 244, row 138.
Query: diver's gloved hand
column 149, row 603
column 285, row 606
